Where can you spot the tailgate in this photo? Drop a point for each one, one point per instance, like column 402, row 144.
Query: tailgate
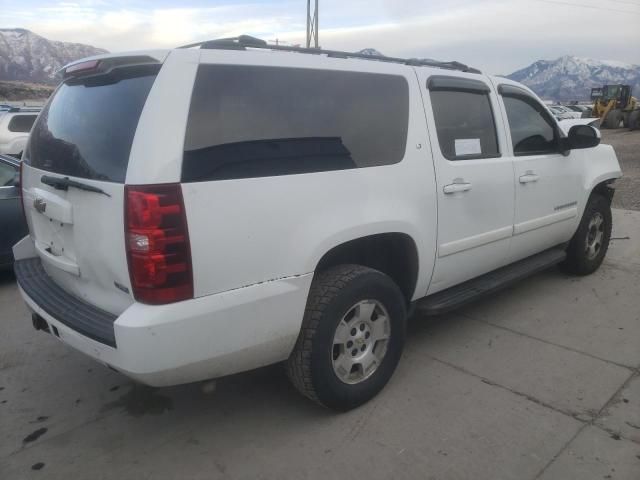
column 79, row 236
column 73, row 177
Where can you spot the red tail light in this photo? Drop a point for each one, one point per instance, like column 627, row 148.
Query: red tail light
column 157, row 242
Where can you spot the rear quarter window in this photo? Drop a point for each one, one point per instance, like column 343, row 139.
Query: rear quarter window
column 249, row 121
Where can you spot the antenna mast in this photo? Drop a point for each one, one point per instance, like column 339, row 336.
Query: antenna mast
column 312, row 24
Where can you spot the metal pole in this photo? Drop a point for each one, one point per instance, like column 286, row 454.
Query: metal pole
column 308, row 23
column 312, row 24
column 315, row 23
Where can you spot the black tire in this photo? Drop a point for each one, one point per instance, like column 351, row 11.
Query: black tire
column 334, row 293
column 625, row 119
column 613, row 119
column 634, row 120
column 580, row 260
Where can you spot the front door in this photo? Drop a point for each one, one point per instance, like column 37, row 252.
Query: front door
column 474, row 180
column 547, row 181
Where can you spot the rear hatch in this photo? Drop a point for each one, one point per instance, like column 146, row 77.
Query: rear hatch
column 73, row 177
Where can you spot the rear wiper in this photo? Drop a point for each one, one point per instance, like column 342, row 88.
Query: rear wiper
column 60, row 183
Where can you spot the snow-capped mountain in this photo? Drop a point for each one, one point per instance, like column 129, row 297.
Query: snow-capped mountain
column 571, row 78
column 26, row 56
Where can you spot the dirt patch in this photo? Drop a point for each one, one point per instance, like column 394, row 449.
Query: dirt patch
column 141, row 400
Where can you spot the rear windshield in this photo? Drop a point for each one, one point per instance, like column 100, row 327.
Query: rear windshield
column 87, row 128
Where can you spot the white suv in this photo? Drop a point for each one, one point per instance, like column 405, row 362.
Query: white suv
column 204, row 211
column 15, row 125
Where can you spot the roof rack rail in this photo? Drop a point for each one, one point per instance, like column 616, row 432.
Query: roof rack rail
column 24, row 109
column 245, row 41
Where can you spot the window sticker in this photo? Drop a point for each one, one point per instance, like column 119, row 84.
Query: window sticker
column 467, row 146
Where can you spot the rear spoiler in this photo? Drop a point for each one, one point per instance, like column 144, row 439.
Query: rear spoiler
column 104, row 65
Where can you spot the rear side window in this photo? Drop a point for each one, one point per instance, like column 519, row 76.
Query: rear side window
column 21, row 123
column 249, row 121
column 532, row 129
column 87, row 128
column 464, row 121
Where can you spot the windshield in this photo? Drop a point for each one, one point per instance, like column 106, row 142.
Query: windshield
column 87, row 128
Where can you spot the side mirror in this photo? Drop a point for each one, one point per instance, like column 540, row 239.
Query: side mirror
column 582, row 136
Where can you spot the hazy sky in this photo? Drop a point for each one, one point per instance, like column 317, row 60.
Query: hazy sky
column 498, row 36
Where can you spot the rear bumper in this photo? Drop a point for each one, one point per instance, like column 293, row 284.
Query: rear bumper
column 80, row 316
column 194, row 340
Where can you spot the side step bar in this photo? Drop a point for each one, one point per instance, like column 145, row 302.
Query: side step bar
column 459, row 295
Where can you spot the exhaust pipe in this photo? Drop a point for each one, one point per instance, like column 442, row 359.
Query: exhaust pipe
column 39, row 323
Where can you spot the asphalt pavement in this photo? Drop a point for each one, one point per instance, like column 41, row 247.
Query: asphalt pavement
column 540, row 381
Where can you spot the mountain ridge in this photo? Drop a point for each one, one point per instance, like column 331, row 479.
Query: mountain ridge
column 28, row 57
column 570, row 78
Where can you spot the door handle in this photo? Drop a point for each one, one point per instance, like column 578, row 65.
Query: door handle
column 529, row 177
column 456, row 187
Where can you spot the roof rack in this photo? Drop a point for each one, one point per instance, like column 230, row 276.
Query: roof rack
column 245, row 41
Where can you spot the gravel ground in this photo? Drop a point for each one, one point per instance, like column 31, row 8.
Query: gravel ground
column 627, row 147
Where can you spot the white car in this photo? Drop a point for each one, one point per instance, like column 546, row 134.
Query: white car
column 559, row 110
column 584, row 110
column 15, row 125
column 208, row 210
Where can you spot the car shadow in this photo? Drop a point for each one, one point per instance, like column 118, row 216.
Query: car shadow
column 258, row 389
column 252, row 402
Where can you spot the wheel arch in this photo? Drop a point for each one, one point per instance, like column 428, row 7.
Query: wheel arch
column 601, row 169
column 604, row 188
column 393, row 253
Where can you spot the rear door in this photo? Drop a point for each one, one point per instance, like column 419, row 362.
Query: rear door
column 84, row 135
column 474, row 181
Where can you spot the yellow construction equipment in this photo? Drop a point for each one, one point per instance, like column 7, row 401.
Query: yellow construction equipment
column 613, row 104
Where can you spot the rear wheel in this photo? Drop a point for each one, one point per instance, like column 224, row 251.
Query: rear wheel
column 613, row 119
column 634, row 120
column 589, row 244
column 351, row 339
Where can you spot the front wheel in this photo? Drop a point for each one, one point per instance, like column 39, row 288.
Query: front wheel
column 613, row 119
column 351, row 339
column 589, row 244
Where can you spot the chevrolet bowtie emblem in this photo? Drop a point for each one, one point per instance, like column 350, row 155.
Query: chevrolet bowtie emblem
column 40, row 205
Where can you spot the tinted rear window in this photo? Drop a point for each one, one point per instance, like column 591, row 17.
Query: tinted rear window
column 248, row 121
column 465, row 125
column 21, row 123
column 87, row 128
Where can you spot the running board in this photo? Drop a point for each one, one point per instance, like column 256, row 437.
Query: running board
column 459, row 295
